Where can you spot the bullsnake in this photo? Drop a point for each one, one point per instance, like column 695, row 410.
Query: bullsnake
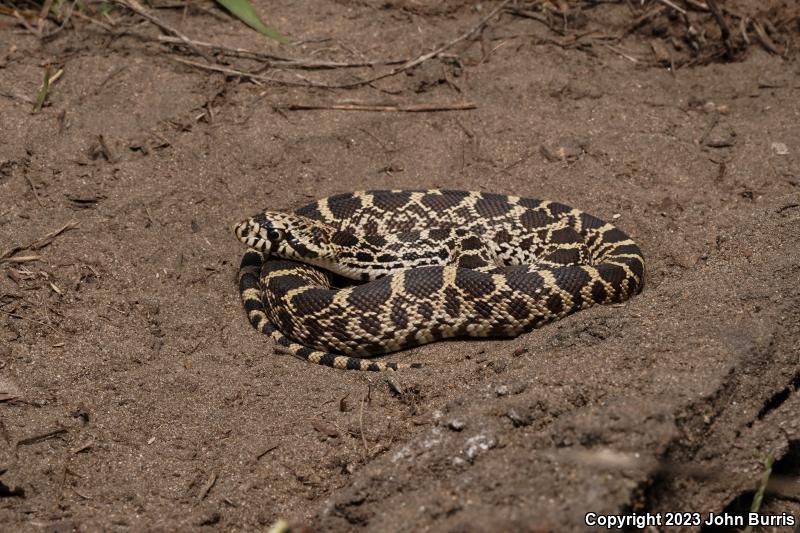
column 436, row 264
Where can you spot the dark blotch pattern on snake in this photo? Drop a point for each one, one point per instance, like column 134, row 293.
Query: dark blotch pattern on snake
column 437, row 264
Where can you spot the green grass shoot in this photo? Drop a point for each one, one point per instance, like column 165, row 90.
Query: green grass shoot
column 43, row 92
column 759, row 496
column 244, row 11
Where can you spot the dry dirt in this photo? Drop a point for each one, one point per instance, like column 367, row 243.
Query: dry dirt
column 135, row 396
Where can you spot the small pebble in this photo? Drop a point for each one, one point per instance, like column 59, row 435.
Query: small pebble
column 478, row 444
column 780, row 148
column 722, row 138
column 456, row 424
column 395, row 386
column 502, row 390
column 517, row 418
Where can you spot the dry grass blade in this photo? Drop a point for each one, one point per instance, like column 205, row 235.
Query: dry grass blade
column 40, row 243
column 22, row 258
column 392, row 108
column 251, row 76
column 274, row 60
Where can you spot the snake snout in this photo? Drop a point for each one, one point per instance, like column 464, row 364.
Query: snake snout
column 249, row 233
column 242, row 229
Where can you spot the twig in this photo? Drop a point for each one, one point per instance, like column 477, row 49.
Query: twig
column 149, row 215
column 111, row 75
column 266, row 451
column 106, row 150
column 361, row 420
column 528, row 14
column 22, row 258
column 93, row 20
column 677, row 8
column 350, row 85
column 404, row 108
column 64, row 471
column 697, row 5
column 42, row 436
column 4, row 434
column 252, row 76
column 24, row 22
column 43, row 15
column 424, row 57
column 41, row 243
column 82, row 496
column 723, row 26
column 743, row 30
column 138, row 8
column 273, row 60
column 712, row 123
column 33, row 188
column 621, row 53
column 207, row 487
column 764, row 39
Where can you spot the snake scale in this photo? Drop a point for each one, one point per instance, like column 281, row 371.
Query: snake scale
column 434, row 264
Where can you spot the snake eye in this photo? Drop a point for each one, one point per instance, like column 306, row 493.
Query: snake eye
column 274, row 235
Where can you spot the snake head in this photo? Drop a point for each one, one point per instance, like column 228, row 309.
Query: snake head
column 286, row 235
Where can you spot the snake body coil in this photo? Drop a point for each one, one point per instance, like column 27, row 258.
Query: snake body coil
column 447, row 263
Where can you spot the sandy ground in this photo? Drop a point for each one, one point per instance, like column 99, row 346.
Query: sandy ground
column 135, row 396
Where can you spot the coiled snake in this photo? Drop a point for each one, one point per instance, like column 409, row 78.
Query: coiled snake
column 437, row 264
